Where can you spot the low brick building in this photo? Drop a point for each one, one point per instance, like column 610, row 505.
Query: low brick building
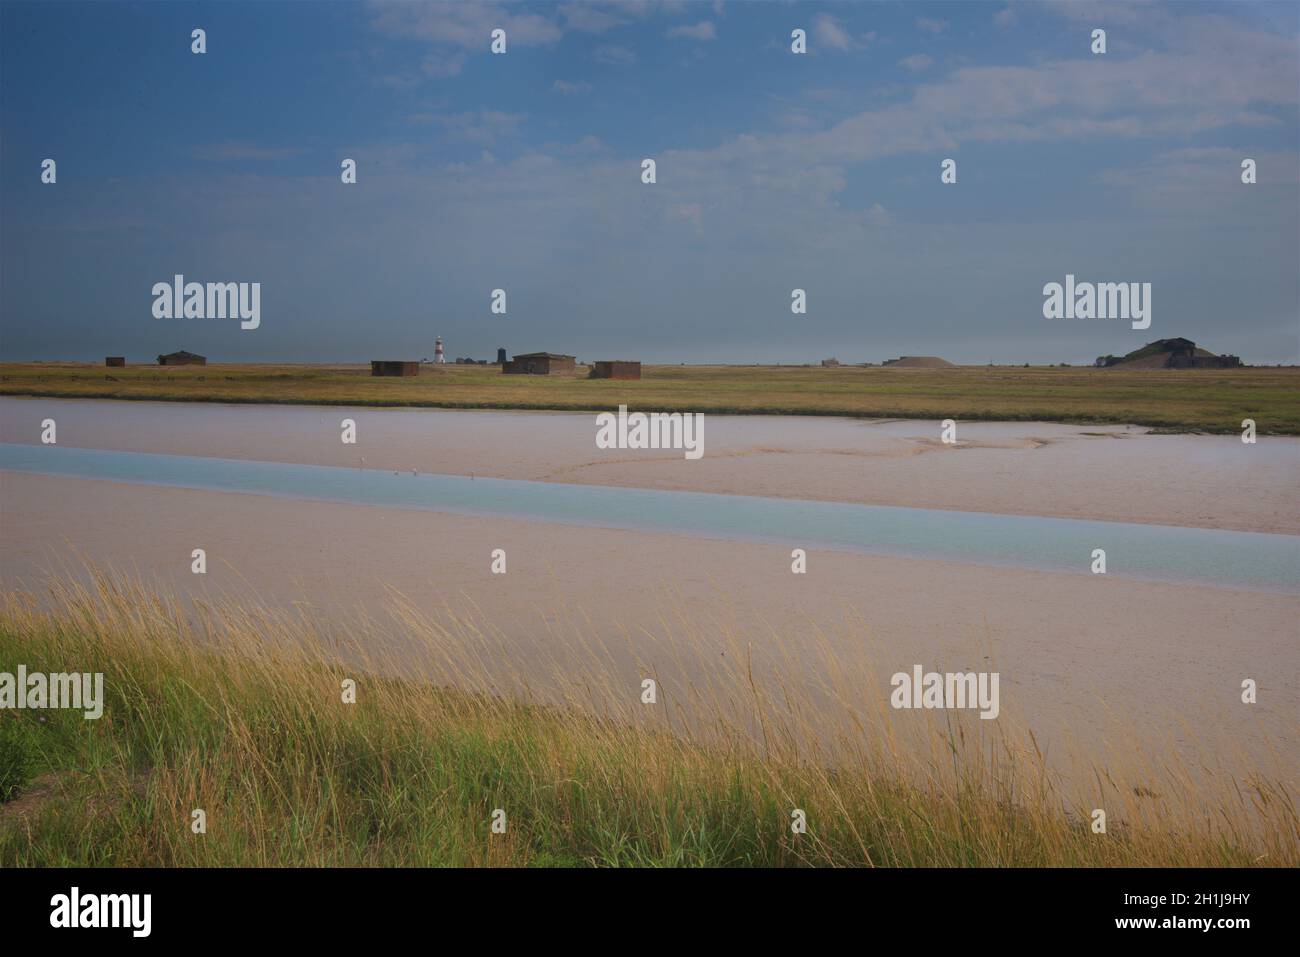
column 539, row 363
column 182, row 358
column 393, row 367
column 615, row 369
column 115, row 362
column 1204, row 362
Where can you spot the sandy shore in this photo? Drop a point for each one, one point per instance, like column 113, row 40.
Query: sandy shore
column 1089, row 663
column 1107, row 473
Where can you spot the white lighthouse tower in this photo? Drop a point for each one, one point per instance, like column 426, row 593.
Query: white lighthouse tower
column 438, row 356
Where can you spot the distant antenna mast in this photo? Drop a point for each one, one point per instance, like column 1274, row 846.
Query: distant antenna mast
column 438, row 357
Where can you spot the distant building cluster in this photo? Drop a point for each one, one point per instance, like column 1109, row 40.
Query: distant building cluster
column 1173, row 353
column 524, row 363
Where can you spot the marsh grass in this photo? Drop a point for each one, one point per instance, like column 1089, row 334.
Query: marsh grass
column 1214, row 400
column 15, row 759
column 237, row 710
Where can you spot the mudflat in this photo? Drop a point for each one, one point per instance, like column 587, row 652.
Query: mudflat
column 1090, row 663
column 1106, row 473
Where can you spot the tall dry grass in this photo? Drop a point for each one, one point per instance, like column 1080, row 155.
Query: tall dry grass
column 237, row 709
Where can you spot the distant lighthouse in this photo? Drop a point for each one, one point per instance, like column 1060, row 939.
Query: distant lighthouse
column 438, row 357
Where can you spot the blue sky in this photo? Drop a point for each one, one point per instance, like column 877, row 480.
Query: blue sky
column 522, row 171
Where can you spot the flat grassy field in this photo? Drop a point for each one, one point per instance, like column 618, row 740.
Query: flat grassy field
column 213, row 714
column 1212, row 400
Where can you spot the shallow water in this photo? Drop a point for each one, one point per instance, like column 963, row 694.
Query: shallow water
column 1221, row 558
column 1091, row 473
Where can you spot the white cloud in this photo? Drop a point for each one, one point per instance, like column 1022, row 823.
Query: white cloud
column 1207, row 178
column 700, row 31
column 877, row 215
column 797, row 119
column 1096, row 11
column 932, row 24
column 1006, row 17
column 483, row 126
column 442, row 65
column 396, row 81
column 692, row 213
column 455, row 30
column 589, row 17
column 1197, row 74
column 569, row 89
column 238, row 150
column 917, row 62
column 1194, row 88
column 829, row 34
column 465, row 25
column 616, row 55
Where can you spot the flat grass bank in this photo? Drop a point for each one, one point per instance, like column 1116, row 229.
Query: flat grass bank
column 1210, row 400
column 240, row 713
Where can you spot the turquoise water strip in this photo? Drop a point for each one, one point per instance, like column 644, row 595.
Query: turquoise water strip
column 1250, row 560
